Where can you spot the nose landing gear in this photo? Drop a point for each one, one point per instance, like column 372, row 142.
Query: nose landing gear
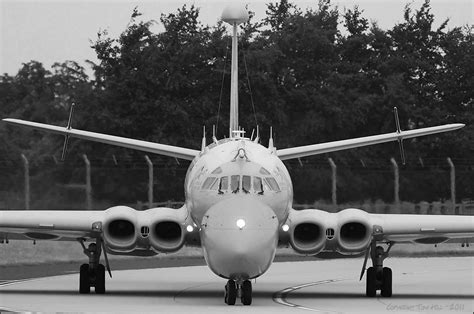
column 233, row 289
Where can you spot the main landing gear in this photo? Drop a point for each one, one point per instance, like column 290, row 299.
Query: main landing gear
column 379, row 277
column 234, row 289
column 92, row 274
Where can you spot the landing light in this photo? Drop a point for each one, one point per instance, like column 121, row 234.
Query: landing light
column 240, row 223
column 285, row 228
column 189, row 228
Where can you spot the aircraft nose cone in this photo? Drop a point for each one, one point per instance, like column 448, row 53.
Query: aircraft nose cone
column 239, row 238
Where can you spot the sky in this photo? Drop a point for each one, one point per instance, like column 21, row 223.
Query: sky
column 54, row 31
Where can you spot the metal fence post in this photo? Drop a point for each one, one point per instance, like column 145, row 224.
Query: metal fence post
column 150, row 181
column 396, row 182
column 453, row 183
column 88, row 182
column 334, row 181
column 26, row 164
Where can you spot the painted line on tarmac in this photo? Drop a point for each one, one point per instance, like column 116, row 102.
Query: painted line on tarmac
column 280, row 297
column 4, row 283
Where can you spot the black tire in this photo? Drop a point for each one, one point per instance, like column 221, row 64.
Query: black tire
column 100, row 279
column 386, row 290
column 371, row 283
column 246, row 293
column 84, row 279
column 230, row 293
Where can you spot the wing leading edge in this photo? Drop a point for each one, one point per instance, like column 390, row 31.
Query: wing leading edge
column 316, row 149
column 161, row 149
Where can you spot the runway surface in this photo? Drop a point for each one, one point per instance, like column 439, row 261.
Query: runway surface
column 420, row 285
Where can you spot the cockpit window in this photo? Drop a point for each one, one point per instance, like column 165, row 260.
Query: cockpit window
column 235, row 183
column 215, row 185
column 264, row 171
column 217, row 170
column 258, row 185
column 223, row 184
column 246, row 185
column 273, row 184
column 208, row 183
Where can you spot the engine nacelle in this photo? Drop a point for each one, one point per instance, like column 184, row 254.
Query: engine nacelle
column 119, row 229
column 307, row 231
column 167, row 228
column 354, row 231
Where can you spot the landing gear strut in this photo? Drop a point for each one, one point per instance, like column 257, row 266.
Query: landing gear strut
column 379, row 277
column 92, row 274
column 233, row 289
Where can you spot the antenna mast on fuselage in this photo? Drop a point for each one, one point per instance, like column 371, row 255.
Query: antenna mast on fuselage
column 234, row 15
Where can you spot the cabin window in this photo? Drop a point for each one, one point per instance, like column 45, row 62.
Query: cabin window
column 246, row 184
column 208, row 183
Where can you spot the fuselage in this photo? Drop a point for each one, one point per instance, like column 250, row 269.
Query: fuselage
column 238, row 193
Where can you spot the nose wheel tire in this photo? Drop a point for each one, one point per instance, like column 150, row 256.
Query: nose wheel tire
column 246, row 293
column 230, row 293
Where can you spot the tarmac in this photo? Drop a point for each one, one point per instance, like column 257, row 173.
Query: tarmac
column 420, row 285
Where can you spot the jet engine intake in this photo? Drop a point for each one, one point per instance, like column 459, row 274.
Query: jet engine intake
column 120, row 232
column 167, row 236
column 354, row 232
column 307, row 231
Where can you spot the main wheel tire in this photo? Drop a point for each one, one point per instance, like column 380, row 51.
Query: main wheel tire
column 84, row 279
column 230, row 292
column 386, row 290
column 246, row 297
column 371, row 282
column 100, row 279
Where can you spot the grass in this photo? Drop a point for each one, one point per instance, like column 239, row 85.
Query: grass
column 25, row 253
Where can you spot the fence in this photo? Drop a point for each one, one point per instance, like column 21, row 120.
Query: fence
column 86, row 188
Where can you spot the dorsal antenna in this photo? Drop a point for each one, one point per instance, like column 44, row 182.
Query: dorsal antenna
column 214, row 138
column 234, row 14
column 203, row 143
column 257, row 138
column 270, row 141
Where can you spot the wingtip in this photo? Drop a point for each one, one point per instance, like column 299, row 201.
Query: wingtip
column 456, row 126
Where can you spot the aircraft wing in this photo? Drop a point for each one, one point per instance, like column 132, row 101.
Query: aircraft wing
column 351, row 230
column 161, row 149
column 316, row 149
column 425, row 229
column 124, row 230
column 49, row 224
